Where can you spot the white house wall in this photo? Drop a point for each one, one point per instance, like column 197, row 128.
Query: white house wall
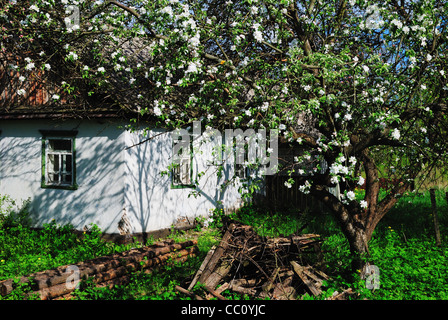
column 151, row 201
column 99, row 198
column 120, row 189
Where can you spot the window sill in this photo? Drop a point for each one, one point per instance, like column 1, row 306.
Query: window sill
column 183, row 186
column 61, row 187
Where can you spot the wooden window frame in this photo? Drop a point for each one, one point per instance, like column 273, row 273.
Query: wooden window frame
column 48, row 135
column 185, row 158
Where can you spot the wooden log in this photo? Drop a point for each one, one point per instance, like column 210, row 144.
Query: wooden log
column 246, row 283
column 284, row 292
column 222, row 288
column 214, row 293
column 202, row 267
column 59, row 275
column 219, row 273
column 269, row 284
column 343, row 295
column 300, row 271
column 188, row 293
column 234, row 286
column 113, row 276
column 210, row 267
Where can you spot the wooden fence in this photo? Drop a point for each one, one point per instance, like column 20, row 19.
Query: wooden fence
column 279, row 196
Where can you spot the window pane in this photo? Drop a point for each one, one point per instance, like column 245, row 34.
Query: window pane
column 60, row 144
column 185, row 171
column 68, row 163
column 53, row 162
column 53, row 178
column 67, row 178
column 176, row 175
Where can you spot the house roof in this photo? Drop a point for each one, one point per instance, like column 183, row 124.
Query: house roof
column 34, row 98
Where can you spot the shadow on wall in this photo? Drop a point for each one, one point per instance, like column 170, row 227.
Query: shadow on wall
column 119, row 189
column 152, row 203
column 18, row 170
column 99, row 197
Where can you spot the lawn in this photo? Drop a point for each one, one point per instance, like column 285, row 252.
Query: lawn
column 403, row 249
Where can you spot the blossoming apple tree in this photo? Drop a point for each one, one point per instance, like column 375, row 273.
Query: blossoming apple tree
column 370, row 77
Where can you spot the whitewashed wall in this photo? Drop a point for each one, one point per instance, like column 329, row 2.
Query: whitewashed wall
column 115, row 184
column 151, row 202
column 99, row 198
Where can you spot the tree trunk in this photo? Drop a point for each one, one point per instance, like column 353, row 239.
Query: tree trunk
column 350, row 224
column 358, row 247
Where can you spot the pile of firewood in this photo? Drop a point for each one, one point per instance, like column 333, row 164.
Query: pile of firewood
column 280, row 268
column 104, row 271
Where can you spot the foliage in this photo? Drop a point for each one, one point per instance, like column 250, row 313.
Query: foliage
column 24, row 250
column 402, row 247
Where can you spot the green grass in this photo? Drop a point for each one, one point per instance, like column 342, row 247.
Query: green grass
column 403, row 248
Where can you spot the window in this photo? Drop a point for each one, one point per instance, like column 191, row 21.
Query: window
column 182, row 170
column 58, row 159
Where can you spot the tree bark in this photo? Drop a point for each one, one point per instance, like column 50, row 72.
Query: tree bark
column 350, row 224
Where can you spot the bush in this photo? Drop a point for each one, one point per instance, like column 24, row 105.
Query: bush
column 11, row 214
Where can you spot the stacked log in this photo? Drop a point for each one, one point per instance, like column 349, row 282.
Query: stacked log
column 277, row 268
column 103, row 271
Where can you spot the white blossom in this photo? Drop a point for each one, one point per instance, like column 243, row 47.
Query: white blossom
column 363, row 204
column 396, row 134
column 72, row 55
column 35, row 8
column 157, row 111
column 264, row 107
column 258, row 36
column 361, row 181
column 351, row 195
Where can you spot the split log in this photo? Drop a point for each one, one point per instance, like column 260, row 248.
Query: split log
column 202, row 267
column 268, row 285
column 250, row 291
column 222, row 288
column 219, row 273
column 307, row 278
column 284, row 292
column 217, row 254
